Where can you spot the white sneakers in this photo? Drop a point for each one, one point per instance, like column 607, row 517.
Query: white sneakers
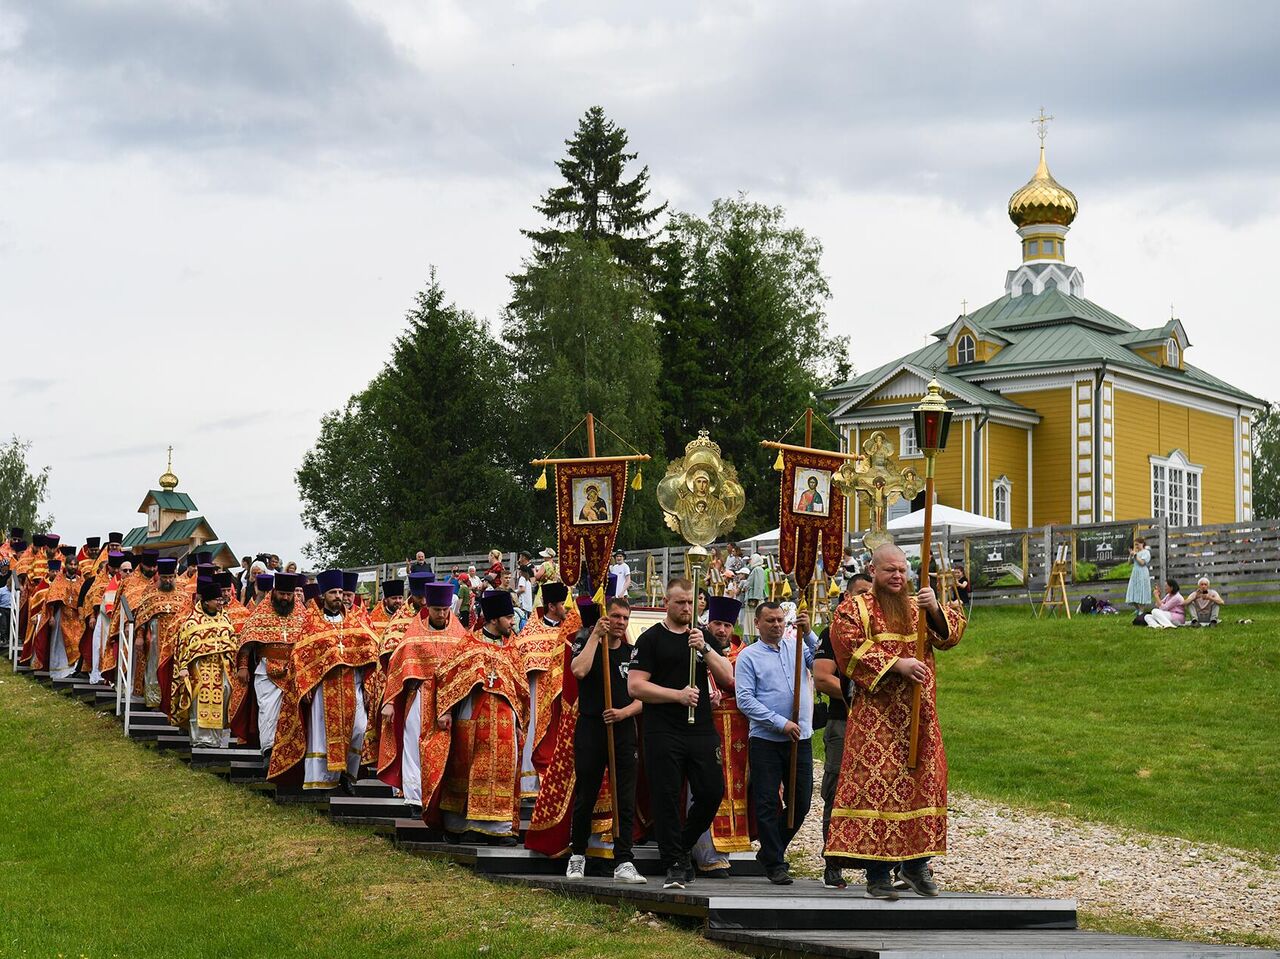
column 626, row 872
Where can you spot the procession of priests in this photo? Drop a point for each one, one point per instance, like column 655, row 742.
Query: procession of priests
column 556, row 727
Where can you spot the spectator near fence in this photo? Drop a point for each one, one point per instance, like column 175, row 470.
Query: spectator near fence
column 1139, row 592
column 1204, row 604
column 1172, row 608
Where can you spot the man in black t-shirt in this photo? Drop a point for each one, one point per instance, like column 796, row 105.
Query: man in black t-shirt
column 590, row 745
column 676, row 750
column 839, row 689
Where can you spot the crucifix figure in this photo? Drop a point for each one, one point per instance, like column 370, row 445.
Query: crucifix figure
column 876, row 477
column 491, row 677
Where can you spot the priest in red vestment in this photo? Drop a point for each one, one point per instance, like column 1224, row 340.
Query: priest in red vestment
column 264, row 664
column 471, row 764
column 541, row 646
column 884, row 812
column 321, row 729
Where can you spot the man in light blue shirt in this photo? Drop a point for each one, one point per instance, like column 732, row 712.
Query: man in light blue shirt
column 765, row 683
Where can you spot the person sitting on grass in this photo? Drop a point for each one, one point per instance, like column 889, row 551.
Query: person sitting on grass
column 1205, row 604
column 1172, row 608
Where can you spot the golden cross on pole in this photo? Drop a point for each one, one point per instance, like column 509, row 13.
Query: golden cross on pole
column 1042, row 122
column 964, row 307
column 171, row 459
column 877, row 478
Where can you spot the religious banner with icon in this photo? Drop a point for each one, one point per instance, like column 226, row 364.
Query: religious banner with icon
column 589, row 496
column 809, row 507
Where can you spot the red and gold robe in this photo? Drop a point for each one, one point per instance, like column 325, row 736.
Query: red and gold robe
column 35, row 634
column 132, row 589
column 265, row 635
column 473, row 769
column 390, row 631
column 733, row 827
column 206, row 649
column 325, row 654
column 66, row 593
column 414, row 659
column 541, row 649
column 168, row 611
column 237, row 613
column 883, row 810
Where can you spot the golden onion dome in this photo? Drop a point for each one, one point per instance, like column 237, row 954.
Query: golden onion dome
column 168, row 480
column 1042, row 200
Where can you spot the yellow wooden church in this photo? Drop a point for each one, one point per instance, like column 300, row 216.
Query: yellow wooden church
column 1064, row 412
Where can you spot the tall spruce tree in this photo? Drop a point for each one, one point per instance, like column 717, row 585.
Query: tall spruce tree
column 421, row 458
column 584, row 334
column 743, row 298
column 596, row 200
column 1266, row 463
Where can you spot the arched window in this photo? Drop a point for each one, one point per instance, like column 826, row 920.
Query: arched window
column 909, row 446
column 1171, row 352
column 1000, row 495
column 965, row 350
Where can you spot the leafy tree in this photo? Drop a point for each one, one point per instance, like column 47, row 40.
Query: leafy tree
column 584, row 335
column 1266, row 463
column 743, row 297
column 596, row 200
column 421, row 458
column 21, row 491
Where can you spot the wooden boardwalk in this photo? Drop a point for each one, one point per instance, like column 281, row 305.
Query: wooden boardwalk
column 742, row 911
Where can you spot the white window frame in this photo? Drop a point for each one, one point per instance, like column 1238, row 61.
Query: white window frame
column 1171, row 352
column 907, row 437
column 1177, row 489
column 1001, row 504
column 966, row 347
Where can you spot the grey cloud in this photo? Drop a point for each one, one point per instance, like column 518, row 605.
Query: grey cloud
column 916, row 98
column 30, row 384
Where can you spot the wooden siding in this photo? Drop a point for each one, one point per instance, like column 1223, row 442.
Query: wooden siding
column 1146, row 427
column 1053, row 454
column 1007, row 449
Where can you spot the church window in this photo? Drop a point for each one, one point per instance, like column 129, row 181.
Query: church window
column 909, row 447
column 1050, row 284
column 965, row 350
column 1175, row 489
column 1000, row 495
column 1033, row 247
column 1171, row 353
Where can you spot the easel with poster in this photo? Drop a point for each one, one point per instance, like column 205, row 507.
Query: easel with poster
column 1055, row 588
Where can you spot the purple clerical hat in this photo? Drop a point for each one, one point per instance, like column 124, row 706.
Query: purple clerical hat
column 589, row 610
column 496, row 603
column 166, row 565
column 350, row 581
column 438, row 594
column 329, row 579
column 723, row 609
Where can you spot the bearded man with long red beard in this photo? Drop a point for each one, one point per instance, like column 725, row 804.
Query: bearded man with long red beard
column 884, row 812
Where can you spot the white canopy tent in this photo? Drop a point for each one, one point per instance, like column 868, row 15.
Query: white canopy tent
column 961, row 522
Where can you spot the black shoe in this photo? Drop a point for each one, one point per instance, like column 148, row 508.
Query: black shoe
column 675, row 878
column 833, row 878
column 714, row 874
column 685, row 865
column 505, row 841
column 921, row 883
column 415, row 810
column 881, row 889
column 346, row 786
column 778, row 875
column 454, row 838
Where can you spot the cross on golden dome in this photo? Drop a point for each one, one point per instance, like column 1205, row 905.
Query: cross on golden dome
column 1042, row 122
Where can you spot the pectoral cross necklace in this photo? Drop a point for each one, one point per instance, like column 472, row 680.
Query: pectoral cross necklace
column 492, row 677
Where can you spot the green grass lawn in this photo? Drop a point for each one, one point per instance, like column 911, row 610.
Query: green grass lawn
column 109, row 849
column 1166, row 731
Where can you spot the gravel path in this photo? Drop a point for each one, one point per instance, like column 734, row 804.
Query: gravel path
column 1213, row 891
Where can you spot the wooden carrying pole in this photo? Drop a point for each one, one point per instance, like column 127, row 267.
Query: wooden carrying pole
column 798, row 675
column 608, row 731
column 604, row 661
column 922, row 619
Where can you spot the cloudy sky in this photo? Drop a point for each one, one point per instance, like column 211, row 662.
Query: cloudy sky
column 213, row 215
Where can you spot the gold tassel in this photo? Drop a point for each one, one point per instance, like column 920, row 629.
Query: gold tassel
column 541, row 481
column 834, row 591
column 786, row 589
column 598, row 598
column 638, row 482
column 777, row 464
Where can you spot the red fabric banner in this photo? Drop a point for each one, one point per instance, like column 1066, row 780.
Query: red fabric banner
column 589, row 497
column 809, row 505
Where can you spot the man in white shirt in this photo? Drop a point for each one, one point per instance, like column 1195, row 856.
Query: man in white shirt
column 621, row 573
